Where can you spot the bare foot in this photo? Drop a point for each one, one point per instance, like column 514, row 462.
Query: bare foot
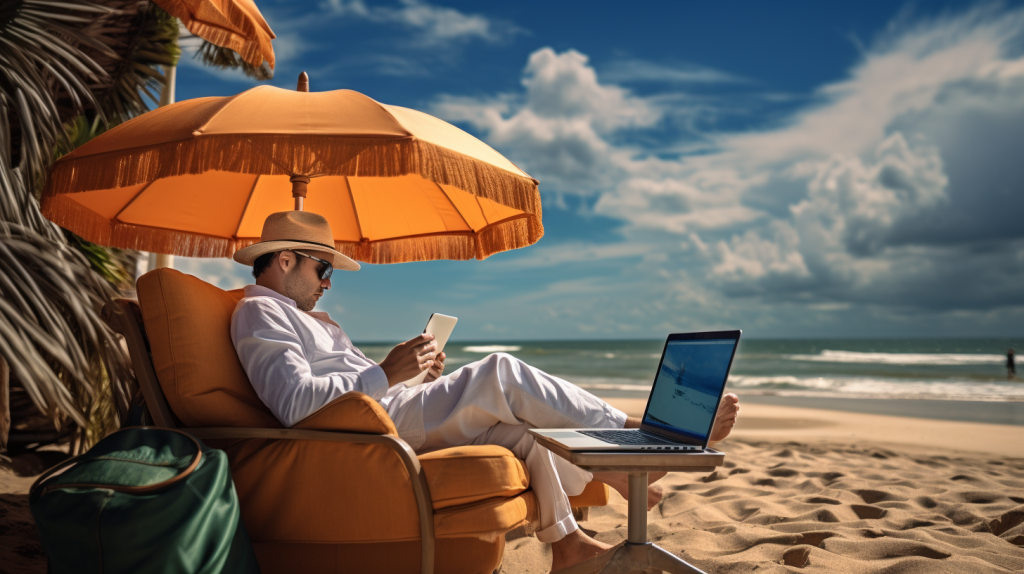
column 728, row 410
column 576, row 547
column 620, row 482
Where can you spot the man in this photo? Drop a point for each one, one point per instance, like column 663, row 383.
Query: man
column 299, row 360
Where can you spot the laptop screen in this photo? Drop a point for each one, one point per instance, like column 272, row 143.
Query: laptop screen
column 689, row 384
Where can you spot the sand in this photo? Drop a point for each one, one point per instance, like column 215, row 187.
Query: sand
column 810, row 490
column 20, row 551
column 802, row 490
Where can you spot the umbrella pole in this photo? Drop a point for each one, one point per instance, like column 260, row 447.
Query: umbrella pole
column 299, row 182
column 159, row 260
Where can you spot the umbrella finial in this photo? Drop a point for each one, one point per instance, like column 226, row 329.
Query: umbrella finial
column 299, row 183
column 303, row 82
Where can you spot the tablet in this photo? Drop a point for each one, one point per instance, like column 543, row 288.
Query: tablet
column 441, row 327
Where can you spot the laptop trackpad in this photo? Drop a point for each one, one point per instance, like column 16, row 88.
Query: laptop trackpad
column 563, row 435
column 573, row 439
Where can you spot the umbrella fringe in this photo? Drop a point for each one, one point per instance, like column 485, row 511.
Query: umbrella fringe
column 236, row 40
column 250, row 51
column 502, row 236
column 278, row 154
column 322, row 155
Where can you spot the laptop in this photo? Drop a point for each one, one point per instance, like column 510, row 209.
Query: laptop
column 680, row 411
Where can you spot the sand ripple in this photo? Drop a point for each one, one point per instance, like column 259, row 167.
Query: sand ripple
column 794, row 508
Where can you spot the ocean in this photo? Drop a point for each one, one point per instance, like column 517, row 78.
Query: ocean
column 957, row 369
column 809, row 372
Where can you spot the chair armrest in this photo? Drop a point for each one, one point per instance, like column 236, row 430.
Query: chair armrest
column 352, row 412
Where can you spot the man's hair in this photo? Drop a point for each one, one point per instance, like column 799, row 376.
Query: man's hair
column 262, row 263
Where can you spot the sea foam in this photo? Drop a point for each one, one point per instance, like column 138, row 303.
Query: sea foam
column 830, row 356
column 492, row 349
column 868, row 387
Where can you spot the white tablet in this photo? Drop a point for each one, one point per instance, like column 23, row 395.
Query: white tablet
column 441, row 327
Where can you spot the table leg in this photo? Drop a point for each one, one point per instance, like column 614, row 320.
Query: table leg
column 637, row 521
column 637, row 553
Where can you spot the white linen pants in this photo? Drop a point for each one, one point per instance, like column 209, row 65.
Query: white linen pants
column 495, row 401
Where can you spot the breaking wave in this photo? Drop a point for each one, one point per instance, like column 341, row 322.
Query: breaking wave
column 492, row 349
column 829, row 356
column 866, row 387
column 837, row 387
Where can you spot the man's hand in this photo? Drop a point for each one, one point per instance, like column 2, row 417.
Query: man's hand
column 409, row 359
column 437, row 368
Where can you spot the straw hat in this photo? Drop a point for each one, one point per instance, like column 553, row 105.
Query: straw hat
column 296, row 230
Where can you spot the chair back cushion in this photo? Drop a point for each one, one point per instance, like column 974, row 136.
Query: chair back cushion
column 188, row 322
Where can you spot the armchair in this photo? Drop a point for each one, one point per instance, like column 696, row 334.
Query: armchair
column 339, row 491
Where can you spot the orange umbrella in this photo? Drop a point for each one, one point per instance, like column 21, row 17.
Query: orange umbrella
column 198, row 178
column 233, row 24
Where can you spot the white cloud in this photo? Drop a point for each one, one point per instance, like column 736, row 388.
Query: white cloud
column 636, row 71
column 859, row 204
column 751, row 256
column 574, row 253
column 223, row 273
column 559, row 129
column 894, row 180
column 433, row 24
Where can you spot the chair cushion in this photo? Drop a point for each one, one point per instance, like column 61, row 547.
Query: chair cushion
column 188, row 322
column 487, row 517
column 467, row 474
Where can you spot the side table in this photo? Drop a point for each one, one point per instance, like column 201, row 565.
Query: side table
column 636, row 552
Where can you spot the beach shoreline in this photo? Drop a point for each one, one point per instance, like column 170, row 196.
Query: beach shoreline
column 775, row 423
column 992, row 412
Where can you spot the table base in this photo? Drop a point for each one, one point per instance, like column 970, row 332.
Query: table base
column 635, row 553
column 627, row 557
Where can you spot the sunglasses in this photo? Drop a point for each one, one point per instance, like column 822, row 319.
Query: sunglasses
column 325, row 270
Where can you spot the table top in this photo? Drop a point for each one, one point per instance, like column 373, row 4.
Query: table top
column 636, row 461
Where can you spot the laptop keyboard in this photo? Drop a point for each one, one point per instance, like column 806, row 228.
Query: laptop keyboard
column 625, row 437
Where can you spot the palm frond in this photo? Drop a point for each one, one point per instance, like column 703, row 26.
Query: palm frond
column 138, row 38
column 56, row 345
column 17, row 202
column 68, row 70
column 40, row 58
column 104, row 261
column 225, row 59
column 51, row 334
column 59, row 59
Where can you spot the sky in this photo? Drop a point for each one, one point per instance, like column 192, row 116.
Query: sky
column 796, row 169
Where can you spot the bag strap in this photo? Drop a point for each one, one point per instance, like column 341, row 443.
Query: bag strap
column 38, row 489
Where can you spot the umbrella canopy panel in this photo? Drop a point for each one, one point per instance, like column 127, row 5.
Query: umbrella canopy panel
column 198, row 178
column 233, row 24
column 267, row 130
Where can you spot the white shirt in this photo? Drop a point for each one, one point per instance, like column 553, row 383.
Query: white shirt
column 297, row 361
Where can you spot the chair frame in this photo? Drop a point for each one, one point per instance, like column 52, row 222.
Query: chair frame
column 123, row 317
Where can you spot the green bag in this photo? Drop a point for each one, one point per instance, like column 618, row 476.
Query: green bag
column 142, row 500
